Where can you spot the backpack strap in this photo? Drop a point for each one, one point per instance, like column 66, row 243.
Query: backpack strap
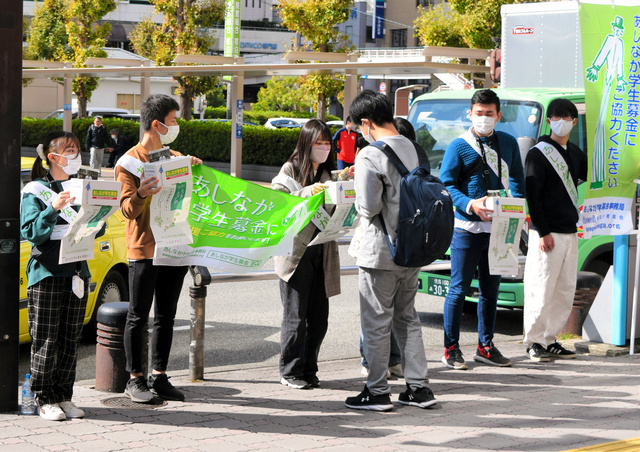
column 423, row 160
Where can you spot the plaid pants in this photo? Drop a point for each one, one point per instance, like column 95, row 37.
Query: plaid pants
column 55, row 324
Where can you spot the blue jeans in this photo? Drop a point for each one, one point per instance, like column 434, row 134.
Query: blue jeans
column 342, row 164
column 468, row 252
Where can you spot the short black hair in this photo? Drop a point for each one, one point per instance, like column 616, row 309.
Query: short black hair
column 349, row 119
column 376, row 107
column 156, row 106
column 114, row 131
column 561, row 108
column 486, row 97
column 405, row 128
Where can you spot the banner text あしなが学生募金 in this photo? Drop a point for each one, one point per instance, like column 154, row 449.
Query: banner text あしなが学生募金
column 610, row 40
column 237, row 225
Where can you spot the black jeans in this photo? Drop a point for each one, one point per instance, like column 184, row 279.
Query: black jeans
column 145, row 280
column 305, row 317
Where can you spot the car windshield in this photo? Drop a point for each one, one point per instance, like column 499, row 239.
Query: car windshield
column 439, row 121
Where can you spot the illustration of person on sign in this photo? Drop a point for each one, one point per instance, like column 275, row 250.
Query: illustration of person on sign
column 612, row 53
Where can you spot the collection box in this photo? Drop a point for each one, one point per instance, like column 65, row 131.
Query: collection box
column 170, row 171
column 94, row 192
column 507, row 207
column 340, row 192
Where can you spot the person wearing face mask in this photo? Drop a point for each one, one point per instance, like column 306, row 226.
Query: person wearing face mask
column 553, row 168
column 311, row 274
column 344, row 142
column 387, row 291
column 57, row 293
column 120, row 146
column 470, row 170
column 148, row 281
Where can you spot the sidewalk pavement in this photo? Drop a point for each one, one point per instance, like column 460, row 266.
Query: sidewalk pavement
column 554, row 406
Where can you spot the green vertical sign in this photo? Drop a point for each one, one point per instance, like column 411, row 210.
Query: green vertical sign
column 611, row 58
column 232, row 29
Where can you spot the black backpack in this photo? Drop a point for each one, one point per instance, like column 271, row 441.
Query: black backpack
column 425, row 221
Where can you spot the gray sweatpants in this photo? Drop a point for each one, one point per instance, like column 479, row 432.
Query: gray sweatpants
column 388, row 298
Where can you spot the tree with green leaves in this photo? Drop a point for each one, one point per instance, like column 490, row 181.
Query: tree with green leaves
column 181, row 32
column 462, row 23
column 67, row 30
column 283, row 94
column 315, row 21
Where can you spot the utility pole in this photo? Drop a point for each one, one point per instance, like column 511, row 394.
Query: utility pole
column 10, row 144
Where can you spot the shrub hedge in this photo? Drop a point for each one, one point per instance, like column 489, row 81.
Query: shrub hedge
column 208, row 140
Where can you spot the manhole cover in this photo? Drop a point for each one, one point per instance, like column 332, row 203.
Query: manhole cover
column 125, row 402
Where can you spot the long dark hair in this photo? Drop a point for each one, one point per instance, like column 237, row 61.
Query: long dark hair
column 312, row 131
column 52, row 143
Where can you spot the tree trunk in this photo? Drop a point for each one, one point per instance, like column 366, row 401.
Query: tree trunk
column 322, row 107
column 186, row 102
column 82, row 106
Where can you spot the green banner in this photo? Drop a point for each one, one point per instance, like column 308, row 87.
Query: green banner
column 232, row 28
column 238, row 225
column 611, row 57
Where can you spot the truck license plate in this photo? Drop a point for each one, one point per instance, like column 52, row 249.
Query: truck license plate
column 437, row 286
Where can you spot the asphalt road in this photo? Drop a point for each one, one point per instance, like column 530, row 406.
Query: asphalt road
column 243, row 327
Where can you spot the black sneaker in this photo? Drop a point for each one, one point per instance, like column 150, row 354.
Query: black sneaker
column 422, row 397
column 294, row 382
column 138, row 391
column 556, row 350
column 312, row 381
column 489, row 354
column 367, row 401
column 537, row 353
column 159, row 384
column 453, row 358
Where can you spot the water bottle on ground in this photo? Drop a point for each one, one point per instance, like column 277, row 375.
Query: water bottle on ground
column 28, row 399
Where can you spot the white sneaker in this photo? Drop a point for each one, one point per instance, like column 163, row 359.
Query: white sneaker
column 396, row 371
column 365, row 371
column 52, row 412
column 71, row 410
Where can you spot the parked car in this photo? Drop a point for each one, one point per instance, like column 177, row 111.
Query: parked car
column 244, row 123
column 284, row 123
column 105, row 112
column 439, row 118
column 338, row 124
column 109, row 269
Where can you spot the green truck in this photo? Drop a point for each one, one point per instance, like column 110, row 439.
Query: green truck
column 439, row 118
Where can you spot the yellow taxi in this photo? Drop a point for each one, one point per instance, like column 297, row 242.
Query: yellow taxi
column 109, row 268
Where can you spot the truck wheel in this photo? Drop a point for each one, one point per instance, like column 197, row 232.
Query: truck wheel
column 598, row 266
column 113, row 288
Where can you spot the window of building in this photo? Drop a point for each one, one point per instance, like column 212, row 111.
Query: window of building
column 424, row 3
column 399, row 37
column 130, row 102
column 348, row 30
column 370, row 34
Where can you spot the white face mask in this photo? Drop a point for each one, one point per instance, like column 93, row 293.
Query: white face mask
column 72, row 164
column 320, row 152
column 171, row 135
column 561, row 127
column 113, row 137
column 368, row 136
column 483, row 124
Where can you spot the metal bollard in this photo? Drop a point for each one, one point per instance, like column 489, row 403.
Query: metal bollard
column 111, row 375
column 198, row 294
